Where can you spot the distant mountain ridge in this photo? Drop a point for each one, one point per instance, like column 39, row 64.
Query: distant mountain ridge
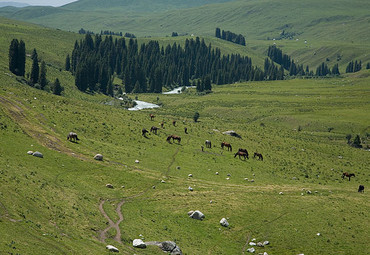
column 14, row 4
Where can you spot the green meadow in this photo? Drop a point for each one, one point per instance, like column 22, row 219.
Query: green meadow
column 51, row 205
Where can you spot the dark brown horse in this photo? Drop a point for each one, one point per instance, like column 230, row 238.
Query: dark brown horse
column 361, row 188
column 245, row 151
column 173, row 137
column 259, row 155
column 72, row 137
column 151, row 116
column 241, row 154
column 345, row 174
column 153, row 130
column 144, row 131
column 229, row 148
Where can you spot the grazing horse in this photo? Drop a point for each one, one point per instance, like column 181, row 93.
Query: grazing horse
column 208, row 144
column 72, row 137
column 361, row 188
column 151, row 116
column 174, row 137
column 174, row 123
column 144, row 131
column 162, row 124
column 186, row 130
column 153, row 129
column 345, row 174
column 229, row 148
column 241, row 154
column 245, row 151
column 259, row 155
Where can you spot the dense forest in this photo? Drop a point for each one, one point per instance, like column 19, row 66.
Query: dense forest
column 230, row 36
column 95, row 61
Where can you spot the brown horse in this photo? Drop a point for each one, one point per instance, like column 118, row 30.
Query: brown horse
column 144, row 131
column 345, row 174
column 174, row 137
column 229, row 148
column 259, row 155
column 241, row 154
column 72, row 137
column 151, row 116
column 245, row 151
column 153, row 130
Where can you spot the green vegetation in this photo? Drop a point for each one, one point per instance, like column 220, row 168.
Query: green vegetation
column 51, row 205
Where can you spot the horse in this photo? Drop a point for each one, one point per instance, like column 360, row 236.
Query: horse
column 162, row 124
column 72, row 137
column 186, row 130
column 259, row 155
column 144, row 131
column 151, row 116
column 361, row 188
column 345, row 174
column 208, row 144
column 241, row 154
column 229, row 148
column 174, row 123
column 153, row 129
column 245, row 151
column 174, row 137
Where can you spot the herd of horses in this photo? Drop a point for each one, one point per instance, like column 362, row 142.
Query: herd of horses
column 242, row 153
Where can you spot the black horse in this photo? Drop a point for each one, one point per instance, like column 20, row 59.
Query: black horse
column 259, row 155
column 144, row 132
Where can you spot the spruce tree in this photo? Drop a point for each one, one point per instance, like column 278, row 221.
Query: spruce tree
column 207, row 83
column 218, row 32
column 13, row 56
column 42, row 78
column 21, row 58
column 57, row 88
column 35, row 70
column 68, row 63
column 335, row 70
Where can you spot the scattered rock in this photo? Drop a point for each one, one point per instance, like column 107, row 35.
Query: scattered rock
column 190, row 188
column 294, row 178
column 318, row 234
column 281, row 193
column 38, row 154
column 227, row 178
column 254, row 239
column 29, row 152
column 198, row 215
column 224, row 222
column 252, row 180
column 265, row 253
column 211, row 202
column 138, row 243
column 171, row 247
column 190, row 213
column 246, row 179
column 137, row 161
column 122, row 186
column 163, row 181
column 153, row 187
column 112, row 248
column 340, row 157
column 216, row 173
column 251, row 250
column 228, row 174
column 308, row 192
column 252, row 244
column 109, row 186
column 232, row 133
column 98, row 157
column 259, row 244
column 178, row 168
column 190, row 175
column 266, row 243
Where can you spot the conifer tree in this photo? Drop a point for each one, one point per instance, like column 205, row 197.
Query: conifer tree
column 21, row 58
column 42, row 78
column 218, row 32
column 35, row 70
column 13, row 56
column 67, row 65
column 335, row 70
column 207, row 83
column 57, row 88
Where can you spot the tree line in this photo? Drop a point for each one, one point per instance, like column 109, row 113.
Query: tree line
column 230, row 36
column 95, row 61
column 37, row 76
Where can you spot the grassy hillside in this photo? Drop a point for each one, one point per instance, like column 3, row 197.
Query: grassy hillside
column 55, row 205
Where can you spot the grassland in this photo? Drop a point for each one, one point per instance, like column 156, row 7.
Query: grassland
column 51, row 205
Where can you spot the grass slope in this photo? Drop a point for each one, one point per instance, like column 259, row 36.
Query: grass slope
column 51, row 205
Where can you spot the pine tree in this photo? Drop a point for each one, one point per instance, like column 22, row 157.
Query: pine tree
column 21, row 58
column 35, row 70
column 13, row 56
column 368, row 65
column 57, row 88
column 207, row 83
column 42, row 78
column 335, row 70
column 218, row 32
column 68, row 63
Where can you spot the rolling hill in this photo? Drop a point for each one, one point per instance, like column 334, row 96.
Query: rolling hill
column 295, row 198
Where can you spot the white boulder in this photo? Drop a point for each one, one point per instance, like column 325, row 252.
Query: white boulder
column 198, row 215
column 29, row 152
column 112, row 248
column 38, row 154
column 138, row 243
column 251, row 250
column 98, row 157
column 224, row 222
column 109, row 186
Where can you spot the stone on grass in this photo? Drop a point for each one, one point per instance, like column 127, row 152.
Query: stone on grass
column 109, row 186
column 259, row 244
column 163, row 181
column 281, row 193
column 137, row 161
column 98, row 157
column 198, row 215
column 251, row 250
column 138, row 243
column 171, row 247
column 232, row 133
column 38, row 154
column 252, row 244
column 216, row 173
column 190, row 213
column 224, row 222
column 190, row 175
column 190, row 188
column 266, row 243
column 112, row 248
column 29, row 152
